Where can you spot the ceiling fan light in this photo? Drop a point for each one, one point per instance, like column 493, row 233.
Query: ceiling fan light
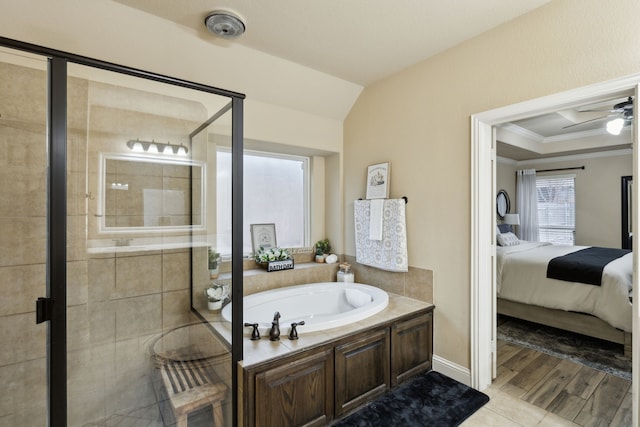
column 614, row 127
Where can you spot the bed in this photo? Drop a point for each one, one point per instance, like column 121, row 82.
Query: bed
column 524, row 291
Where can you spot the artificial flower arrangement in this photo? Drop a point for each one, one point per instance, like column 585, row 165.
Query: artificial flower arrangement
column 271, row 254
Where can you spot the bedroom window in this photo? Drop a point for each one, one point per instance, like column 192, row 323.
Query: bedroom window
column 276, row 190
column 557, row 209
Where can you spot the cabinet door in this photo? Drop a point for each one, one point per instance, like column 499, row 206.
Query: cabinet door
column 411, row 348
column 299, row 393
column 362, row 371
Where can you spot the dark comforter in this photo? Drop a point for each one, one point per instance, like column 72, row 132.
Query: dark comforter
column 584, row 266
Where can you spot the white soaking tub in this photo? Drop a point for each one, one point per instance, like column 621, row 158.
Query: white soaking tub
column 321, row 305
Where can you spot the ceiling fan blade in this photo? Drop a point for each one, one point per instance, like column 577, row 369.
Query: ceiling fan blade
column 609, row 110
column 588, row 121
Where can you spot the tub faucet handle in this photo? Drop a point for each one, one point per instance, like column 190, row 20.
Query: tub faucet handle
column 293, row 335
column 255, row 334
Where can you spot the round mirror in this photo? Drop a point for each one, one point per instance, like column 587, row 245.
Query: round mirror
column 502, row 203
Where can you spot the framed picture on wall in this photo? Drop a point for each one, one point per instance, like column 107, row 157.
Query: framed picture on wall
column 263, row 236
column 378, row 181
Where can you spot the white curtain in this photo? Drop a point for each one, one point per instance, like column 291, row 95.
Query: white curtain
column 527, row 203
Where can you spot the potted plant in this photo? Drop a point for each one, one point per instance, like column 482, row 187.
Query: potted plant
column 214, row 263
column 215, row 294
column 322, row 249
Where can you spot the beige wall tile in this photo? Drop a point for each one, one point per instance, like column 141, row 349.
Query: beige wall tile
column 138, row 316
column 20, row 287
column 133, row 369
column 175, row 309
column 176, row 271
column 77, row 92
column 26, row 88
column 76, row 237
column 21, row 338
column 77, row 286
column 24, row 240
column 78, row 327
column 77, row 193
column 101, row 278
column 23, row 164
column 419, row 284
column 138, row 275
column 87, row 386
column 24, row 393
column 102, row 322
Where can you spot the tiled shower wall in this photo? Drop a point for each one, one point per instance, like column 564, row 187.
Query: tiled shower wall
column 118, row 303
column 23, row 160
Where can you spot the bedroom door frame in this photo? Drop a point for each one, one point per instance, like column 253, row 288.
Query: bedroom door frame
column 483, row 222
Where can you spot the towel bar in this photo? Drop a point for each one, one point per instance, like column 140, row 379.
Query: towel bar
column 406, row 199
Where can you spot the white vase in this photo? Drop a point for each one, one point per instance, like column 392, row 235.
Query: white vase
column 214, row 305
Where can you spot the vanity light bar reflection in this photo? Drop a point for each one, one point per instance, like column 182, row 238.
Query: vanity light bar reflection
column 154, row 147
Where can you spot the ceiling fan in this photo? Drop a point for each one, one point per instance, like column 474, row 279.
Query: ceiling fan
column 621, row 112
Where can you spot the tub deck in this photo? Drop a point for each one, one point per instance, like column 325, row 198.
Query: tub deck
column 262, row 350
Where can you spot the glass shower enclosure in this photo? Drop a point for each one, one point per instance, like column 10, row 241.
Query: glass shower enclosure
column 131, row 253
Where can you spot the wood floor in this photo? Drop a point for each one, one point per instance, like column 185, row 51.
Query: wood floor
column 535, row 389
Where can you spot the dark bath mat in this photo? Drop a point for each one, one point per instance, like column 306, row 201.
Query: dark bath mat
column 431, row 399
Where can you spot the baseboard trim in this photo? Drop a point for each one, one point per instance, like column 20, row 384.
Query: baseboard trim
column 452, row 370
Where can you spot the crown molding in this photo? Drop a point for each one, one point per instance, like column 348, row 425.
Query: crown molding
column 583, row 156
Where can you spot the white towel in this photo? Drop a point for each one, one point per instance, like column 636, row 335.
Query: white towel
column 389, row 253
column 375, row 219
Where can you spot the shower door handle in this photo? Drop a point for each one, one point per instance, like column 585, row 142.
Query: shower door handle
column 43, row 309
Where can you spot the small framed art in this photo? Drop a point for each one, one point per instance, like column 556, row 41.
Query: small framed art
column 378, row 181
column 263, row 236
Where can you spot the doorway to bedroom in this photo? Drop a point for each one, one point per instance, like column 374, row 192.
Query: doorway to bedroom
column 501, row 145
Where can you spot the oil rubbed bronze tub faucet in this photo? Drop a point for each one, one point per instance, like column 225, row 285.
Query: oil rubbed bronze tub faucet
column 255, row 334
column 274, row 334
column 293, row 335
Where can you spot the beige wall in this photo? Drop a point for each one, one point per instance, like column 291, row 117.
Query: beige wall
column 419, row 120
column 598, row 194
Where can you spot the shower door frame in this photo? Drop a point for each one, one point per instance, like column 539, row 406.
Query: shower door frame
column 56, row 275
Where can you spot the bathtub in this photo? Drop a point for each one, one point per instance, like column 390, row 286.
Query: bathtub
column 321, row 305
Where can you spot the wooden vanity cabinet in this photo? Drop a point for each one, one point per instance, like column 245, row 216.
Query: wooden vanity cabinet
column 411, row 347
column 298, row 393
column 361, row 370
column 314, row 386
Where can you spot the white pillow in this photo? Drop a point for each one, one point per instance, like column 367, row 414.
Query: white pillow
column 507, row 239
column 356, row 298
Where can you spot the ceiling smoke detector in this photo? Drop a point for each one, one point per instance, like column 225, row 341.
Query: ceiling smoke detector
column 224, row 24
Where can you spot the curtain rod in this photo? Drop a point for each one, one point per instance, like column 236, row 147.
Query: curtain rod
column 561, row 169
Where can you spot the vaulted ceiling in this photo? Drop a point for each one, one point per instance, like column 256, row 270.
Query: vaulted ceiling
column 360, row 41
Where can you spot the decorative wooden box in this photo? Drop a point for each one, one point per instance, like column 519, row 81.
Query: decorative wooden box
column 285, row 264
